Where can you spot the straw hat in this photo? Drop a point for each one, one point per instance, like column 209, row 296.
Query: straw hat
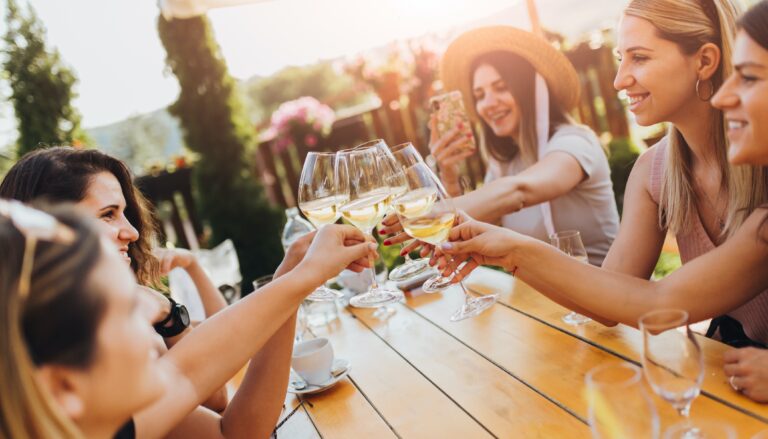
column 561, row 77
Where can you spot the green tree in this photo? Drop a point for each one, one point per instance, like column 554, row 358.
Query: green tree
column 41, row 85
column 215, row 126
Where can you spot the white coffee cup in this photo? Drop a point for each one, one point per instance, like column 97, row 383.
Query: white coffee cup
column 313, row 359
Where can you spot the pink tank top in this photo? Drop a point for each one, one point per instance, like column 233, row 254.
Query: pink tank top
column 694, row 242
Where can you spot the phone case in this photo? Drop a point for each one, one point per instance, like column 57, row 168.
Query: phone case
column 449, row 108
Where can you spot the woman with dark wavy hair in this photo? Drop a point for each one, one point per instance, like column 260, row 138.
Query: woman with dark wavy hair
column 103, row 186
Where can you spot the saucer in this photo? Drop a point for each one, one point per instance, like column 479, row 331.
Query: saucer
column 338, row 364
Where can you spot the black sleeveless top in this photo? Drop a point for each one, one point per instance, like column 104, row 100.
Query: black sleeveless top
column 127, row 431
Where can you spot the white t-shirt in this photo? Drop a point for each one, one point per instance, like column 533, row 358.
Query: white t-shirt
column 589, row 208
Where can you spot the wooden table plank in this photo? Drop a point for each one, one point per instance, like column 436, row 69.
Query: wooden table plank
column 411, row 404
column 500, row 402
column 623, row 340
column 343, row 412
column 548, row 359
column 295, row 422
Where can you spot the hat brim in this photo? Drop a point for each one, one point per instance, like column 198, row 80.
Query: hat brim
column 560, row 75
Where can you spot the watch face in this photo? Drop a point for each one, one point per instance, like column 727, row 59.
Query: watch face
column 184, row 315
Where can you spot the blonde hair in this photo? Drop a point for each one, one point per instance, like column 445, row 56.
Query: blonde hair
column 691, row 24
column 55, row 324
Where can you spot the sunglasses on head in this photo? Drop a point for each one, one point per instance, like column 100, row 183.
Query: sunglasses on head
column 35, row 226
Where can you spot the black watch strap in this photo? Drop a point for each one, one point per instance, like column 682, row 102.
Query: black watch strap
column 175, row 322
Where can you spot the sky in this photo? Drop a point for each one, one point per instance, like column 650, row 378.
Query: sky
column 113, row 46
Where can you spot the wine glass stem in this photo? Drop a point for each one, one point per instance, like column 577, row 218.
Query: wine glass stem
column 374, row 284
column 685, row 410
column 467, row 297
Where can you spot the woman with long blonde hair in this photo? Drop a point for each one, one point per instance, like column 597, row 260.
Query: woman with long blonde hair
column 78, row 356
column 715, row 283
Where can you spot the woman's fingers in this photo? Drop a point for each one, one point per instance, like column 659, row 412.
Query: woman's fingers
column 410, row 247
column 397, row 239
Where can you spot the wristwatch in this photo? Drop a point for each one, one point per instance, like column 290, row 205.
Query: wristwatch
column 175, row 322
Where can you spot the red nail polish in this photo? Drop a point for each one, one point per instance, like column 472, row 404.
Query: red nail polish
column 382, row 231
column 387, row 242
column 403, row 252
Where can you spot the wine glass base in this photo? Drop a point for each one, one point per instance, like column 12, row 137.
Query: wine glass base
column 384, row 312
column 376, row 298
column 574, row 318
column 324, row 294
column 473, row 307
column 436, row 284
column 409, row 270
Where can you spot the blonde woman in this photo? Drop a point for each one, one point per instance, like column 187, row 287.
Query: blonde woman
column 724, row 279
column 77, row 346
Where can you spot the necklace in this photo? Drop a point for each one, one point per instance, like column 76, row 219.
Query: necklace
column 719, row 216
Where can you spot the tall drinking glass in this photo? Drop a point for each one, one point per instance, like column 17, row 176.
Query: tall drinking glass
column 427, row 213
column 672, row 360
column 569, row 242
column 619, row 407
column 319, row 200
column 369, row 197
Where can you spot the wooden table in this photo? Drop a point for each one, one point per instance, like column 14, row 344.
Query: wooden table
column 515, row 371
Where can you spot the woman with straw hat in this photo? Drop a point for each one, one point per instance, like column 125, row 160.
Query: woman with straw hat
column 545, row 173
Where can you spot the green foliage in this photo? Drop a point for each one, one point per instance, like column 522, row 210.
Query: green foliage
column 668, row 262
column 623, row 154
column 212, row 118
column 319, row 80
column 41, row 85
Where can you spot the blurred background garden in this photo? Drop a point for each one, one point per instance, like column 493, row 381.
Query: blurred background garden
column 215, row 109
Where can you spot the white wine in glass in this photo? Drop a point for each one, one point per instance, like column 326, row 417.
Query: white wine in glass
column 319, row 200
column 369, row 197
column 427, row 213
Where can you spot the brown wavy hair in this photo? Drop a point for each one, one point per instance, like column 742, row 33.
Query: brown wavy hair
column 519, row 76
column 57, row 323
column 63, row 174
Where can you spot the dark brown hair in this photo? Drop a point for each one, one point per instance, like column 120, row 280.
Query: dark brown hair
column 755, row 23
column 519, row 76
column 63, row 174
column 56, row 323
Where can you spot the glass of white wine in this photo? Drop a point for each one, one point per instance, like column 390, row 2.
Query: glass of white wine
column 319, row 200
column 406, row 155
column 369, row 197
column 569, row 242
column 427, row 213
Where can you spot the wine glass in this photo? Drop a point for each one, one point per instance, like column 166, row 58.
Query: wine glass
column 569, row 242
column 672, row 360
column 619, row 406
column 427, row 213
column 368, row 197
column 406, row 155
column 319, row 201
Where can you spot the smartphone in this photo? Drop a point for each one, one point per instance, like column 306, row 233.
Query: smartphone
column 450, row 112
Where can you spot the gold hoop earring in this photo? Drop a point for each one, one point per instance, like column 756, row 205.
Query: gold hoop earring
column 711, row 91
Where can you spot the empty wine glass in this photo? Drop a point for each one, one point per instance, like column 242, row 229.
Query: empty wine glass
column 569, row 242
column 427, row 213
column 704, row 429
column 319, row 200
column 368, row 197
column 619, row 407
column 672, row 360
